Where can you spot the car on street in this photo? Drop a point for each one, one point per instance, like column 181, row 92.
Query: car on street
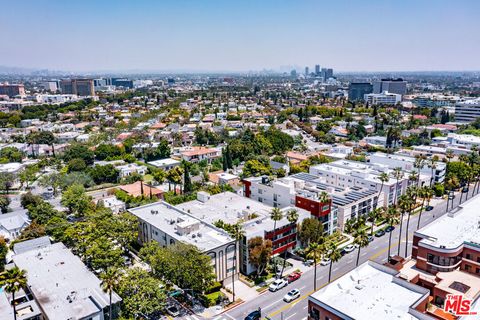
column 325, row 262
column 277, row 285
column 379, row 233
column 173, row 311
column 370, row 238
column 451, row 197
column 389, row 229
column 294, row 276
column 349, row 248
column 291, row 295
column 308, row 263
column 465, row 190
column 254, row 315
column 429, row 208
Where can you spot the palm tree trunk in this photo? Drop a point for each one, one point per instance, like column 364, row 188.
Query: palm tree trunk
column 420, row 215
column 53, row 150
column 400, row 234
column 330, row 271
column 406, row 233
column 234, row 270
column 14, row 306
column 315, row 276
column 389, row 244
column 273, row 236
column 110, row 307
column 358, row 255
column 461, row 195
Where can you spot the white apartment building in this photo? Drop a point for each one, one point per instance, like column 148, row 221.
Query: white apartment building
column 467, row 111
column 384, row 98
column 407, row 164
column 347, row 174
column 167, row 225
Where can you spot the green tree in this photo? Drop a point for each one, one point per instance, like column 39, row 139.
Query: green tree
column 110, row 279
column 13, row 279
column 4, row 203
column 187, row 181
column 105, row 151
column 383, row 177
column 76, row 200
column 6, row 181
column 78, row 151
column 311, row 230
column 259, row 251
column 3, row 252
column 104, row 174
column 76, row 164
column 255, row 168
column 11, row 154
column 51, row 180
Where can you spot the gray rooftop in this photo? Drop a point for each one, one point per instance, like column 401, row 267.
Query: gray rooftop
column 28, row 245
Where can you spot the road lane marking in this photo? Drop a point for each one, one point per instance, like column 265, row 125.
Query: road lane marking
column 272, row 304
column 290, row 316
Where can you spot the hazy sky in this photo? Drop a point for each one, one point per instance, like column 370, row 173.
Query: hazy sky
column 355, row 35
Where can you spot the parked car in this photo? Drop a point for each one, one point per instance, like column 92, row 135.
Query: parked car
column 291, row 295
column 173, row 311
column 349, row 248
column 451, row 197
column 308, row 263
column 254, row 315
column 277, row 285
column 389, row 229
column 370, row 238
column 294, row 276
column 465, row 190
column 429, row 208
column 325, row 262
column 379, row 233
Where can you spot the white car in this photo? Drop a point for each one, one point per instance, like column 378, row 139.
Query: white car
column 349, row 248
column 325, row 262
column 277, row 285
column 291, row 295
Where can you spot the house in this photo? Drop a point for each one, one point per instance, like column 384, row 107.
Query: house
column 224, row 178
column 131, row 168
column 12, row 224
column 113, row 204
column 135, row 190
column 165, row 164
column 197, row 154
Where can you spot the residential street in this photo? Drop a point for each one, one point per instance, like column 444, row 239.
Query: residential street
column 275, row 308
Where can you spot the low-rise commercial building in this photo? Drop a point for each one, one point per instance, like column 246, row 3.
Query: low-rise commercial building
column 467, row 111
column 384, row 98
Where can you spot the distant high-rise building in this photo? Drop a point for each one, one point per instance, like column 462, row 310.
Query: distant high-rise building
column 126, row 83
column 81, row 87
column 328, row 73
column 317, row 69
column 12, row 90
column 99, row 82
column 293, row 73
column 357, row 90
column 51, row 85
column 306, row 71
column 398, row 86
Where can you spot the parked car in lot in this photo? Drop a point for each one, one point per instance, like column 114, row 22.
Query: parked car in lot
column 173, row 311
column 389, row 228
column 277, row 285
column 379, row 233
column 325, row 262
column 429, row 208
column 254, row 315
column 291, row 295
column 294, row 276
column 349, row 248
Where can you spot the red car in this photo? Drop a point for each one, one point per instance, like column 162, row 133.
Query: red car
column 294, row 276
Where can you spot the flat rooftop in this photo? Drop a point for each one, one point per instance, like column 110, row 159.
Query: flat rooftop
column 170, row 220
column 62, row 285
column 371, row 291
column 455, row 228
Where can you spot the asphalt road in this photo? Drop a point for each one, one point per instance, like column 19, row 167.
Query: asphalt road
column 276, row 309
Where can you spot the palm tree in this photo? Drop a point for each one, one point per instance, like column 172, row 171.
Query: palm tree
column 451, row 182
column 391, row 217
column 109, row 282
column 419, row 164
column 432, row 164
column 426, row 194
column 403, row 205
column 361, row 240
column 412, row 193
column 276, row 215
column 383, row 177
column 397, row 174
column 292, row 217
column 315, row 251
column 373, row 216
column 13, row 279
column 334, row 255
column 449, row 155
column 412, row 177
column 237, row 233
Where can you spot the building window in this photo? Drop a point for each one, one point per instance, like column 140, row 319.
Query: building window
column 468, row 256
column 468, row 267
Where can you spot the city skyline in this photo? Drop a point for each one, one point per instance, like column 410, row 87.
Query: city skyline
column 215, row 36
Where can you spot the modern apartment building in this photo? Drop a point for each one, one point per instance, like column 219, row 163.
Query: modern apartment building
column 12, row 90
column 254, row 217
column 467, row 111
column 370, row 291
column 358, row 90
column 167, row 225
column 81, row 87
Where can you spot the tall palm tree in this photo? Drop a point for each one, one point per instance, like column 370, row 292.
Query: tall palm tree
column 315, row 251
column 237, row 233
column 324, row 198
column 426, row 194
column 13, row 279
column 334, row 255
column 109, row 282
column 391, row 218
column 373, row 216
column 419, row 164
column 397, row 174
column 292, row 217
column 403, row 205
column 383, row 177
column 451, row 182
column 449, row 155
column 412, row 193
column 276, row 215
column 361, row 240
column 432, row 164
column 412, row 177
